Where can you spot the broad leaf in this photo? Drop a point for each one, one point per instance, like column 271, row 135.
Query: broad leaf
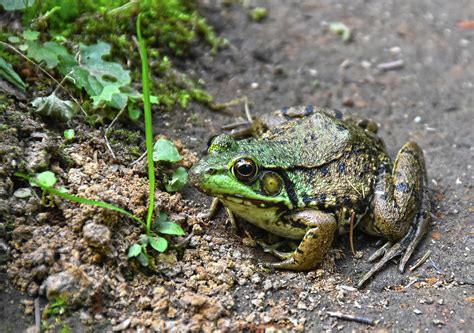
column 48, row 52
column 54, row 107
column 165, row 151
column 69, row 134
column 30, row 35
column 134, row 250
column 46, row 179
column 170, row 228
column 143, row 259
column 158, row 243
column 101, row 79
column 9, row 5
column 178, row 180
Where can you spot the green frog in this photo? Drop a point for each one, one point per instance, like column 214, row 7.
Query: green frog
column 312, row 175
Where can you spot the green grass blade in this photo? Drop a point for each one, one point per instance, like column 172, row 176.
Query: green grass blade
column 81, row 200
column 148, row 125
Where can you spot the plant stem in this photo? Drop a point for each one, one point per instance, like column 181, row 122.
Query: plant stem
column 148, row 126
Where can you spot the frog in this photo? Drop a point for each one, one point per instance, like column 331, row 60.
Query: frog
column 313, row 174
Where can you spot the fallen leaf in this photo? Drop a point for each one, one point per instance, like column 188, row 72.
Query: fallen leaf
column 436, row 235
column 54, row 107
column 466, row 24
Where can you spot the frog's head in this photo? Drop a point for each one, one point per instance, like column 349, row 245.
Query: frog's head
column 236, row 172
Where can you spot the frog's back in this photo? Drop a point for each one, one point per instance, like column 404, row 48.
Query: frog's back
column 310, row 141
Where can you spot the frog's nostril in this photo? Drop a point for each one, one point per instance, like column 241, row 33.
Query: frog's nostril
column 211, row 171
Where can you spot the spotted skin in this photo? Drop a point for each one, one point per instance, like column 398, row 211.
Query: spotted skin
column 335, row 175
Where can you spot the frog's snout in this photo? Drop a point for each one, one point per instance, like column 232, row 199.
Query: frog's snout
column 198, row 172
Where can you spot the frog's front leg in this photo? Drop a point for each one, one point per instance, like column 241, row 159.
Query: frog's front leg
column 320, row 230
column 400, row 207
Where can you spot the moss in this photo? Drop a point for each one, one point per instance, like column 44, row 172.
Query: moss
column 170, row 28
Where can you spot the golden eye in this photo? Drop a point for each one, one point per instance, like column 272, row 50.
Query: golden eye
column 244, row 169
column 271, row 183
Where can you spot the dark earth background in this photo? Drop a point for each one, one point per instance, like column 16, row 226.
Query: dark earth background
column 292, row 58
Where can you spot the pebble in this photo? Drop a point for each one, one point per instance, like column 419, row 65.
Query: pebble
column 417, row 119
column 122, row 326
column 417, row 312
column 255, row 279
column 73, row 284
column 438, row 322
column 267, row 284
column 96, row 235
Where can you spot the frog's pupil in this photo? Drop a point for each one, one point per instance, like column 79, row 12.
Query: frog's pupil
column 245, row 169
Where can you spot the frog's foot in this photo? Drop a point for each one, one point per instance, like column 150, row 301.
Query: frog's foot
column 315, row 244
column 216, row 202
column 406, row 246
column 273, row 249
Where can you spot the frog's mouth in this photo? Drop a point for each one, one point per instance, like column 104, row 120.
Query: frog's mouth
column 251, row 202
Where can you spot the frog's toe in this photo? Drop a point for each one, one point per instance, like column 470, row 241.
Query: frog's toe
column 273, row 249
column 380, row 252
column 395, row 250
column 417, row 233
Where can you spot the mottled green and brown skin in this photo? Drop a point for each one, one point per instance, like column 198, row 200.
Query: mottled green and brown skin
column 312, row 174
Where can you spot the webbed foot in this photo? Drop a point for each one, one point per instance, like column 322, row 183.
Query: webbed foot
column 405, row 246
column 315, row 244
column 273, row 249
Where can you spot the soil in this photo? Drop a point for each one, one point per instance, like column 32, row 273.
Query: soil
column 215, row 280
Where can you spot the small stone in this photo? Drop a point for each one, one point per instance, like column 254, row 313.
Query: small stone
column 417, row 312
column 267, row 284
column 256, row 278
column 197, row 229
column 85, row 317
column 366, row 64
column 438, row 322
column 254, row 85
column 417, row 119
column 122, row 326
column 96, row 235
column 71, row 284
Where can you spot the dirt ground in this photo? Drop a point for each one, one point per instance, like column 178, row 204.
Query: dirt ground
column 292, row 58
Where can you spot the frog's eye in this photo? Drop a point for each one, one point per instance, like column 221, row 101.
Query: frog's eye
column 244, row 169
column 271, row 183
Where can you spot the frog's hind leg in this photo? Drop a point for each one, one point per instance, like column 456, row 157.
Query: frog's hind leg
column 321, row 229
column 400, row 208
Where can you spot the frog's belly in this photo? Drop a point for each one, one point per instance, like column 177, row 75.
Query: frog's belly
column 266, row 218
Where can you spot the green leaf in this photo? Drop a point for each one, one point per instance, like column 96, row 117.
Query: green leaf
column 30, row 35
column 101, row 79
column 170, row 228
column 46, row 178
column 9, row 5
column 54, row 107
column 14, row 39
column 165, row 151
column 134, row 250
column 341, row 29
column 258, row 14
column 49, row 52
column 7, row 72
column 69, row 134
column 178, row 180
column 143, row 259
column 134, row 112
column 165, row 226
column 158, row 243
column 162, row 217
